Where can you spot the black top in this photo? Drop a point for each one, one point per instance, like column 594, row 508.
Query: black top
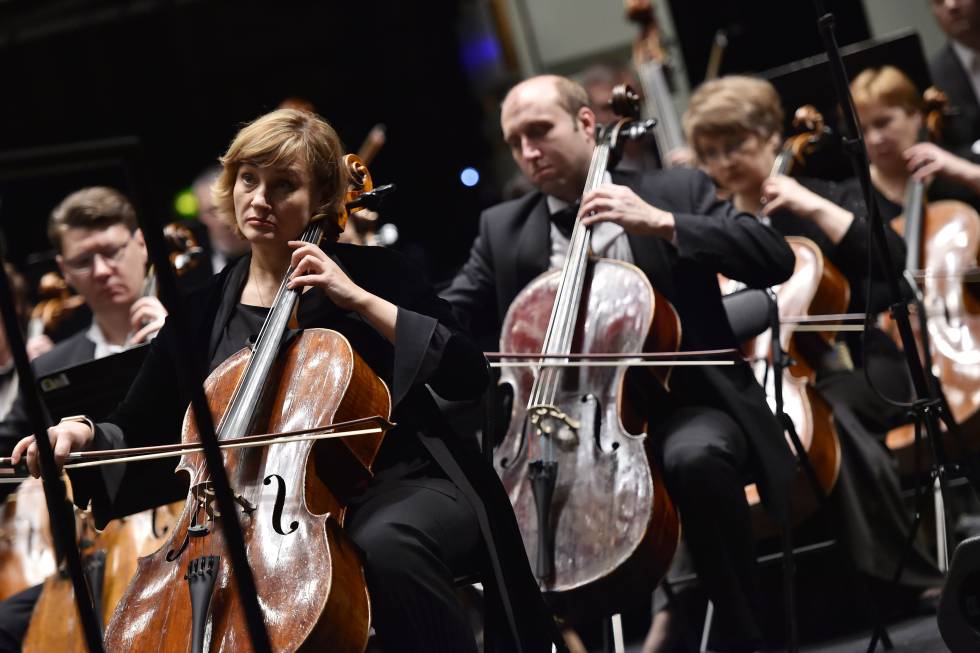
column 850, row 255
column 940, row 189
column 240, row 332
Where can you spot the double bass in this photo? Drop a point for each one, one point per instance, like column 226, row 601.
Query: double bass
column 308, row 574
column 593, row 512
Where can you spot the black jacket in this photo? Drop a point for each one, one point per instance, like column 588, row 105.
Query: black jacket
column 962, row 124
column 513, row 247
column 431, row 351
column 71, row 351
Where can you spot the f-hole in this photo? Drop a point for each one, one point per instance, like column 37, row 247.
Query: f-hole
column 280, row 502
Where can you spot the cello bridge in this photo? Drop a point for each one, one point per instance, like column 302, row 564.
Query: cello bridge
column 551, row 422
column 205, row 497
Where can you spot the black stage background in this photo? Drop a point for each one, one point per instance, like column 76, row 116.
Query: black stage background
column 183, row 75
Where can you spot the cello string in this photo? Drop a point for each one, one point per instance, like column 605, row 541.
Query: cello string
column 224, row 446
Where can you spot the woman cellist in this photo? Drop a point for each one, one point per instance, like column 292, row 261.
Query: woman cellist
column 890, row 109
column 904, row 170
column 735, row 124
column 417, row 529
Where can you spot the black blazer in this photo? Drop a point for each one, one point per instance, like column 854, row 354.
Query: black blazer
column 962, row 127
column 513, row 247
column 431, row 351
column 71, row 351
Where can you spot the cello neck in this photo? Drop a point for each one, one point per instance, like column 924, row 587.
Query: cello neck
column 247, row 399
column 782, row 164
column 914, row 208
column 561, row 326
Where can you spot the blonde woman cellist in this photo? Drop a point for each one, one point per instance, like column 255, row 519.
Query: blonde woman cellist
column 416, row 527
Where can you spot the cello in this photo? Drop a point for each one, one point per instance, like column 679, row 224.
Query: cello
column 816, row 287
column 109, row 557
column 593, row 512
column 943, row 255
column 183, row 597
column 27, row 550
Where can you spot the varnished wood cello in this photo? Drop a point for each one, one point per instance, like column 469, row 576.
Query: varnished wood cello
column 307, row 573
column 942, row 259
column 593, row 512
column 815, row 288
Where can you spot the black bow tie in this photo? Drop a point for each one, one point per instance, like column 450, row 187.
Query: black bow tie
column 565, row 219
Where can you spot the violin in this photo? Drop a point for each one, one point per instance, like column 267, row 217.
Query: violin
column 592, row 509
column 943, row 255
column 816, row 288
column 364, row 224
column 183, row 596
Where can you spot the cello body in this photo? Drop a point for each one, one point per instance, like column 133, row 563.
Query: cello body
column 307, row 572
column 948, row 251
column 109, row 558
column 816, row 287
column 613, row 526
column 27, row 552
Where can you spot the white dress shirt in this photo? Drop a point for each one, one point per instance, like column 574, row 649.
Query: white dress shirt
column 608, row 240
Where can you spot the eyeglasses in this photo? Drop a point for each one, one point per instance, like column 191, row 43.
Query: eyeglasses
column 728, row 149
column 111, row 255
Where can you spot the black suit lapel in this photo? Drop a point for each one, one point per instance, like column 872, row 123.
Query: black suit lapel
column 959, row 78
column 533, row 249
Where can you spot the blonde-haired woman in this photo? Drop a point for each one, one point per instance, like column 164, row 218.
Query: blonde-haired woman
column 416, row 528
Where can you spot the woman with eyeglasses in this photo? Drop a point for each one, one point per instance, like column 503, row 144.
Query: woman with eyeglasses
column 735, row 127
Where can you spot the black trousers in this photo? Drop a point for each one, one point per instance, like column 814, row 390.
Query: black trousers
column 417, row 537
column 867, row 496
column 703, row 455
column 15, row 616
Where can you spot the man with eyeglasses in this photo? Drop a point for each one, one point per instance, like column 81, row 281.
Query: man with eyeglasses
column 102, row 255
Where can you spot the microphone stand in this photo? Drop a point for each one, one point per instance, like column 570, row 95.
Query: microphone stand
column 928, row 407
column 59, row 508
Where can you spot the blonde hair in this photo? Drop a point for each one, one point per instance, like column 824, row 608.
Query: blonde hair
column 280, row 138
column 733, row 105
column 95, row 207
column 887, row 86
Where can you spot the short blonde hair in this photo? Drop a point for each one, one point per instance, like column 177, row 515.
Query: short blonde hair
column 887, row 86
column 733, row 105
column 280, row 138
